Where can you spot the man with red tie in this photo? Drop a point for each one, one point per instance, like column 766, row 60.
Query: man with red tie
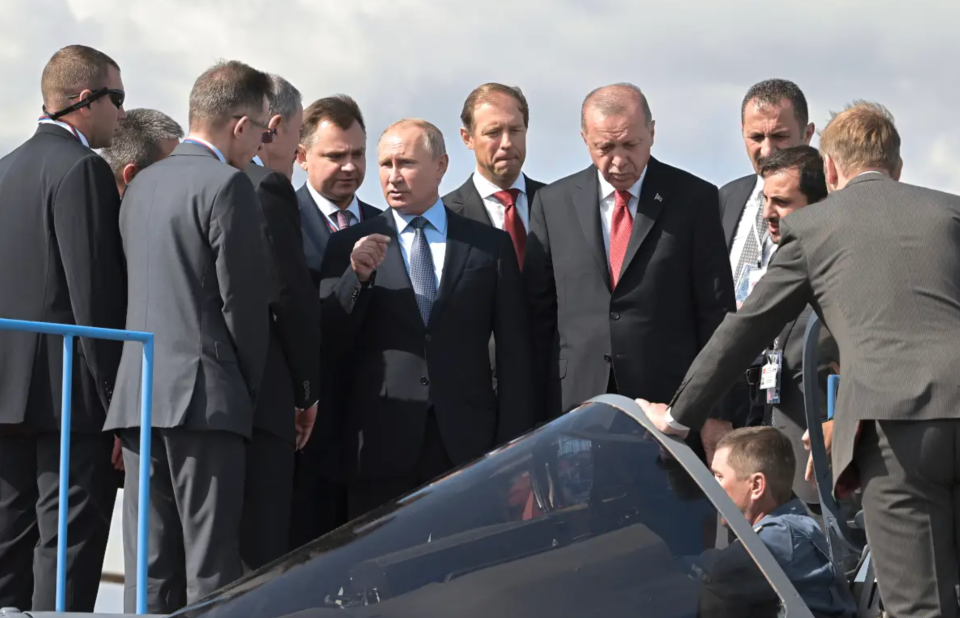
column 626, row 266
column 495, row 119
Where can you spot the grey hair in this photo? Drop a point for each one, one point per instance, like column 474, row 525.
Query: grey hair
column 613, row 100
column 138, row 138
column 432, row 136
column 284, row 98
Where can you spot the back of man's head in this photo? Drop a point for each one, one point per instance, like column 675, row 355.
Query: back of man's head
column 144, row 137
column 807, row 162
column 226, row 90
column 862, row 137
column 71, row 70
column 762, row 450
column 285, row 99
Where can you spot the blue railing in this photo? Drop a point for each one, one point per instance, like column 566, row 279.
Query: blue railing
column 69, row 332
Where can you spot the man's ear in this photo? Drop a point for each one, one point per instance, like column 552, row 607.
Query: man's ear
column 129, row 171
column 899, row 170
column 275, row 121
column 758, row 485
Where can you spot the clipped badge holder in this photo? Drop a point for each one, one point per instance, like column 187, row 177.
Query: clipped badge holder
column 770, row 375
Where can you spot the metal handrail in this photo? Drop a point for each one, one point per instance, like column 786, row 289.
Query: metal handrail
column 69, row 332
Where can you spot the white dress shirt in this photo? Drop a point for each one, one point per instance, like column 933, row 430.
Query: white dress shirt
column 75, row 131
column 746, row 225
column 435, row 231
column 329, row 210
column 495, row 209
column 608, row 201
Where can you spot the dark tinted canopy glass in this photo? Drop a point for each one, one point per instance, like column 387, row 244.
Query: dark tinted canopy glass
column 587, row 516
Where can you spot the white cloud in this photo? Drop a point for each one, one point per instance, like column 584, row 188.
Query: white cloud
column 421, row 57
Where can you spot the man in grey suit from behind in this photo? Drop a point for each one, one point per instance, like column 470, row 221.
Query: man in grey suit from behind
column 879, row 261
column 197, row 264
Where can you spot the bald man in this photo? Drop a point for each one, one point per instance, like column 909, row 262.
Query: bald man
column 410, row 300
column 626, row 265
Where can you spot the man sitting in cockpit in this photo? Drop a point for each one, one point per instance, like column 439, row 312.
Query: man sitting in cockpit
column 756, row 466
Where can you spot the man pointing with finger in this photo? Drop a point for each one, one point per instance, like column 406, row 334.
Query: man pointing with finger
column 410, row 301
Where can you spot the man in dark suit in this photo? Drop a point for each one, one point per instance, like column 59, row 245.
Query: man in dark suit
column 625, row 266
column 145, row 136
column 410, row 300
column 60, row 261
column 198, row 271
column 773, row 115
column 879, row 261
column 333, row 153
column 287, row 406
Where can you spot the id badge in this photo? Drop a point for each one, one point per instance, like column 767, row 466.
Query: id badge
column 770, row 375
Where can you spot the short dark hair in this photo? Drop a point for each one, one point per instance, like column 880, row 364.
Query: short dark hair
column 773, row 92
column 138, row 138
column 71, row 70
column 766, row 450
column 339, row 109
column 224, row 90
column 809, row 165
column 484, row 93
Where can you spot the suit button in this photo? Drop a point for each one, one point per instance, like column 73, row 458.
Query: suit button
column 428, row 337
column 606, row 357
column 425, row 380
column 614, row 315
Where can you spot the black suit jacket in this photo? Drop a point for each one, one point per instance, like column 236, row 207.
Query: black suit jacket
column 61, row 261
column 674, row 291
column 316, row 232
column 291, row 377
column 399, row 368
column 733, row 199
column 465, row 200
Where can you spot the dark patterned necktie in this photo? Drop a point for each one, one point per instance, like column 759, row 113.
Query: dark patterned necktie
column 752, row 250
column 343, row 219
column 422, row 274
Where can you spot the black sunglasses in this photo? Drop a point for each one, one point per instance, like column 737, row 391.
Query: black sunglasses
column 268, row 133
column 117, row 97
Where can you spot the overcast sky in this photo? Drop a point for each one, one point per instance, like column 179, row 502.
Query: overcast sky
column 693, row 59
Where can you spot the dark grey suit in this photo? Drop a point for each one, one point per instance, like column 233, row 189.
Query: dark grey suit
column 733, row 199
column 880, row 263
column 198, row 271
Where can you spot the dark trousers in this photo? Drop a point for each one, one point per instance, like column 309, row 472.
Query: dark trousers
column 910, row 475
column 268, row 493
column 196, row 497
column 29, row 510
column 319, row 502
column 366, row 495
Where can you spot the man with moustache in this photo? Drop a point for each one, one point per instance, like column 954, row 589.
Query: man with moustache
column 287, row 405
column 410, row 301
column 333, row 149
column 199, row 281
column 61, row 261
column 145, row 136
column 626, row 267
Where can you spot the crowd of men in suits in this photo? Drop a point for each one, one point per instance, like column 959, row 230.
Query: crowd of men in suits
column 317, row 357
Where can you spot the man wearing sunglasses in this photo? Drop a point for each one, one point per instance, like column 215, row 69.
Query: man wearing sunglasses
column 199, row 280
column 61, row 261
column 287, row 405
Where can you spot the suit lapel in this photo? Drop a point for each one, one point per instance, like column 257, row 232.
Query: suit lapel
column 393, row 273
column 586, row 202
column 314, row 227
column 473, row 206
column 649, row 205
column 732, row 216
column 455, row 258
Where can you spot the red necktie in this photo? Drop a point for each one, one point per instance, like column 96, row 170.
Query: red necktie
column 512, row 224
column 620, row 228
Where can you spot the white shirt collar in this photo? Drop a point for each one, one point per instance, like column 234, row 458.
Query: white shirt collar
column 258, row 160
column 72, row 129
column 329, row 208
column 487, row 188
column 436, row 216
column 606, row 189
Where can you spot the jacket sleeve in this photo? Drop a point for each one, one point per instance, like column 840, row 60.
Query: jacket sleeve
column 86, row 215
column 541, row 292
column 238, row 242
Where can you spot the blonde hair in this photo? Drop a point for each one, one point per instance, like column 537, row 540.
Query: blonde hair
column 862, row 136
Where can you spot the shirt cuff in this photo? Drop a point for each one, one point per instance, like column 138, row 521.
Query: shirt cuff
column 674, row 424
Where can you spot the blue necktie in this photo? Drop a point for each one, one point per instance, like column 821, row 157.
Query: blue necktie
column 422, row 273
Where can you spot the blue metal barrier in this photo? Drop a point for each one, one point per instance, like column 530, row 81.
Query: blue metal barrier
column 69, row 332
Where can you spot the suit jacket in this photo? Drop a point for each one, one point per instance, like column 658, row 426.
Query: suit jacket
column 399, row 368
column 674, row 290
column 60, row 261
column 291, row 377
column 316, row 232
column 199, row 281
column 465, row 200
column 733, row 199
column 879, row 261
